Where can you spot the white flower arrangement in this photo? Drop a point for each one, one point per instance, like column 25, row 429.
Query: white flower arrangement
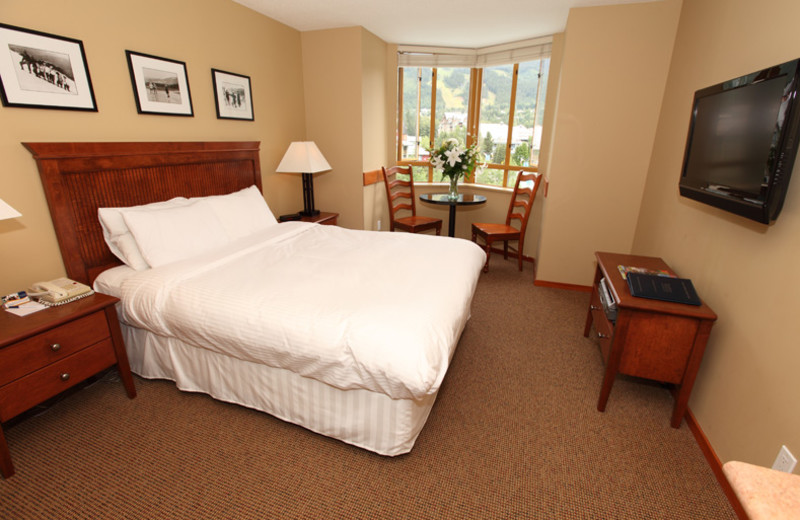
column 454, row 160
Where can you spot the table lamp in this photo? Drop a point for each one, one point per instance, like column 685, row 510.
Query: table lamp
column 7, row 211
column 304, row 157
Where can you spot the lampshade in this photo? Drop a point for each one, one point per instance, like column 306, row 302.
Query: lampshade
column 7, row 211
column 303, row 157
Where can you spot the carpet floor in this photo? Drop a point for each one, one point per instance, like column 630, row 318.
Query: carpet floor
column 514, row 434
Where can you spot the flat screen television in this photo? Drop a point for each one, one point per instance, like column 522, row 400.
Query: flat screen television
column 742, row 143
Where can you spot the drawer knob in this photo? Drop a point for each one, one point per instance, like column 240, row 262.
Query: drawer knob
column 601, row 335
column 594, row 307
column 55, row 347
column 65, row 376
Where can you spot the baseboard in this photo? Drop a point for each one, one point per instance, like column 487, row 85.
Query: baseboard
column 525, row 258
column 715, row 463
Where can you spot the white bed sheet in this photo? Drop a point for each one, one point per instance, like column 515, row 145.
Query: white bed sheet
column 411, row 295
column 352, row 309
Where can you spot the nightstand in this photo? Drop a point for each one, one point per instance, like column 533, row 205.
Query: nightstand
column 47, row 352
column 324, row 218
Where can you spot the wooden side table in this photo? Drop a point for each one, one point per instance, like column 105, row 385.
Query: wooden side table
column 651, row 339
column 47, row 352
column 325, row 218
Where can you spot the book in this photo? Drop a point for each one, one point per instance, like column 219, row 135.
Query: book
column 625, row 269
column 656, row 287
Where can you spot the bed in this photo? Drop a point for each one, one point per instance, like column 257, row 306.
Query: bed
column 320, row 326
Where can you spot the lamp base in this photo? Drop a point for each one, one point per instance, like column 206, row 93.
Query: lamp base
column 308, row 197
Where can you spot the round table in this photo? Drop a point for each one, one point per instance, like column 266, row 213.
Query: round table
column 464, row 199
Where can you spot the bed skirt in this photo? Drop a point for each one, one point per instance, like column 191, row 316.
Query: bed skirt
column 366, row 419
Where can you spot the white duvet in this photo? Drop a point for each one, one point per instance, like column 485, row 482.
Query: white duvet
column 353, row 309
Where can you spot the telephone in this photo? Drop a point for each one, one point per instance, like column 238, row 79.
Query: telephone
column 59, row 291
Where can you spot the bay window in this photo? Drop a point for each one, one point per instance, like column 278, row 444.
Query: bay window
column 494, row 97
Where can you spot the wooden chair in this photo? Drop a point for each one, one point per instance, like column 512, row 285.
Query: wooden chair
column 518, row 210
column 397, row 189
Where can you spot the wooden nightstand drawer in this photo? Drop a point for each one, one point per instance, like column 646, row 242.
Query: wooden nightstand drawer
column 52, row 345
column 28, row 391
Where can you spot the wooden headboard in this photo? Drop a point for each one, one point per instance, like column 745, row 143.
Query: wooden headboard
column 78, row 178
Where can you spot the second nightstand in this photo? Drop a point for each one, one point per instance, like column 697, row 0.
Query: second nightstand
column 325, row 218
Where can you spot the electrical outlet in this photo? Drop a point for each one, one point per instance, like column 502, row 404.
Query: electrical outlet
column 378, row 226
column 785, row 461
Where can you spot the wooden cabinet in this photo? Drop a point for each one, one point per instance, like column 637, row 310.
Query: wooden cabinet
column 651, row 339
column 45, row 353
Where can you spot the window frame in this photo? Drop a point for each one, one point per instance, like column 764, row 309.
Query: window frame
column 473, row 120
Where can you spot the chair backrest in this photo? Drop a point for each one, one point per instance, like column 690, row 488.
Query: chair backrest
column 522, row 200
column 399, row 192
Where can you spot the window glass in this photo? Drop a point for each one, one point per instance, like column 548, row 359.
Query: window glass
column 416, row 112
column 452, row 105
column 493, row 128
column 526, row 139
column 420, row 173
column 491, row 176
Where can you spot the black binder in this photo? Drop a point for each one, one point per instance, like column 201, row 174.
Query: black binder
column 679, row 290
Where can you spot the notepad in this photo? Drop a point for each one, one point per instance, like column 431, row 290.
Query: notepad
column 654, row 287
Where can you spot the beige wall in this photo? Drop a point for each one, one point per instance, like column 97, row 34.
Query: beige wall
column 333, row 92
column 379, row 87
column 613, row 72
column 203, row 34
column 746, row 395
column 349, row 112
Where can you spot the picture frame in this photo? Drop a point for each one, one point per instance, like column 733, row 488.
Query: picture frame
column 232, row 95
column 41, row 70
column 160, row 85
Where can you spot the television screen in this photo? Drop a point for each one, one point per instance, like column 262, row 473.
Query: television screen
column 742, row 142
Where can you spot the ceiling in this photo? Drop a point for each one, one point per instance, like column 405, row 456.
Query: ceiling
column 448, row 23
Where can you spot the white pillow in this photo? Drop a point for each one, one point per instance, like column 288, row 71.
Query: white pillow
column 241, row 213
column 168, row 235
column 118, row 236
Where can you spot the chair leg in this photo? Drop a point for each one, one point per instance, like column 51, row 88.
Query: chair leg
column 519, row 252
column 488, row 255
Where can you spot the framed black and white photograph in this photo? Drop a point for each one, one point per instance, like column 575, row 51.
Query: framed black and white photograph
column 40, row 70
column 232, row 95
column 160, row 85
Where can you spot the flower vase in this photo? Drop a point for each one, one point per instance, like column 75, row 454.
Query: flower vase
column 452, row 193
